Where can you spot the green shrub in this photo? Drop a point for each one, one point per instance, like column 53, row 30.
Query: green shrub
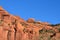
column 59, row 29
column 54, row 25
column 1, row 21
column 50, row 31
column 24, row 24
column 42, row 31
column 49, row 38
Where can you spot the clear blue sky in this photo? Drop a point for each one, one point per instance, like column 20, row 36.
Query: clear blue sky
column 43, row 10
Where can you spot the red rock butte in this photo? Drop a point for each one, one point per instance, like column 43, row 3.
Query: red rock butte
column 16, row 28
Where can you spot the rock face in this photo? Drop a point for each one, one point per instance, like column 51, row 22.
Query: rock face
column 15, row 28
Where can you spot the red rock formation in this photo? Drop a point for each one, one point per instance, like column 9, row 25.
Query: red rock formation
column 15, row 28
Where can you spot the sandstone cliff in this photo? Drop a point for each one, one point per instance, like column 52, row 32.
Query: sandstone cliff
column 16, row 28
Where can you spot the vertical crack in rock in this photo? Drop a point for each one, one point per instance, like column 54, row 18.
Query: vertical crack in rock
column 15, row 34
column 8, row 35
column 15, row 29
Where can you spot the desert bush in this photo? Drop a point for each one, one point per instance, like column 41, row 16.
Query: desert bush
column 42, row 31
column 23, row 24
column 55, row 24
column 59, row 29
column 50, row 31
column 1, row 21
